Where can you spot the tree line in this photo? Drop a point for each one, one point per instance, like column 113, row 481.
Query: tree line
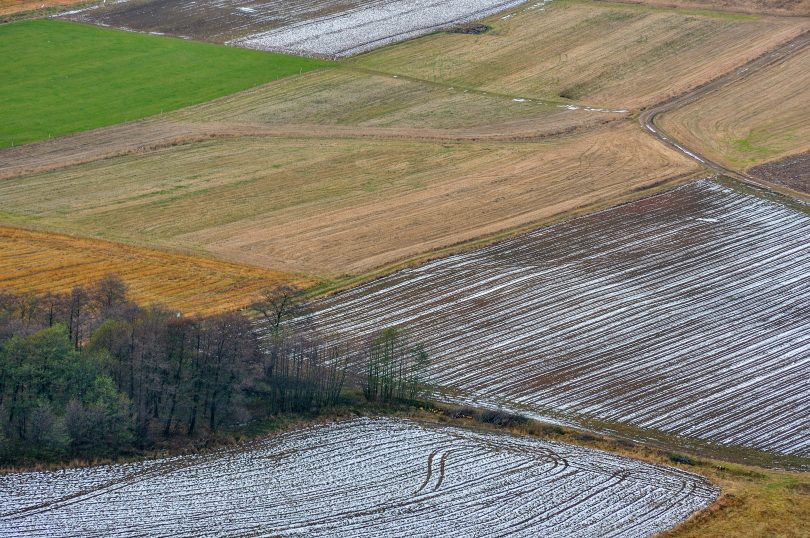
column 89, row 373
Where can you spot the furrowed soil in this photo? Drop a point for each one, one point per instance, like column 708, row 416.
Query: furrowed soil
column 39, row 262
column 320, row 205
column 597, row 53
column 756, row 119
column 792, row 172
column 364, row 477
column 684, row 313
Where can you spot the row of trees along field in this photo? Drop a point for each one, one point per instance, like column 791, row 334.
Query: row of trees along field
column 91, row 374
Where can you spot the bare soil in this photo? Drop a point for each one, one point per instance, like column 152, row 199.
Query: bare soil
column 792, row 172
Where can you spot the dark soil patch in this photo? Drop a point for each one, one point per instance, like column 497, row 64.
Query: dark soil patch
column 473, row 29
column 793, row 172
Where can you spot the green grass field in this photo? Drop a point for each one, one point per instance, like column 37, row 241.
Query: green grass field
column 58, row 77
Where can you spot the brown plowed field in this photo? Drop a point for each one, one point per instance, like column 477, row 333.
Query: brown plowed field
column 333, row 206
column 42, row 262
column 792, row 172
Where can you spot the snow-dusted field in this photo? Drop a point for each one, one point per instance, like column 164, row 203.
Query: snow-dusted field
column 686, row 312
column 371, row 26
column 331, row 28
column 379, row 477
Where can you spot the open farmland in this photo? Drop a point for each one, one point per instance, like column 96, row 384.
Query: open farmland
column 774, row 7
column 372, row 26
column 685, row 312
column 69, row 77
column 332, row 28
column 757, row 118
column 367, row 477
column 320, row 205
column 602, row 54
column 41, row 262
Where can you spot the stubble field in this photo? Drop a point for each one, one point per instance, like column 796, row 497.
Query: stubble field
column 321, row 205
column 40, row 262
column 597, row 53
column 758, row 118
column 367, row 477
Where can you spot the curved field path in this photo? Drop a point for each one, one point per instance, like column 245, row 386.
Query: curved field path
column 366, row 477
column 685, row 313
column 773, row 57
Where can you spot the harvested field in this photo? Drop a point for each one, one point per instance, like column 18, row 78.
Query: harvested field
column 42, row 262
column 772, row 7
column 758, row 118
column 349, row 97
column 320, row 206
column 328, row 103
column 366, row 477
column 603, row 54
column 685, row 313
column 792, row 172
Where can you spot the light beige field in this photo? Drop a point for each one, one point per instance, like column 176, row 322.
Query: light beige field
column 773, row 7
column 758, row 118
column 332, row 206
column 614, row 55
column 39, row 262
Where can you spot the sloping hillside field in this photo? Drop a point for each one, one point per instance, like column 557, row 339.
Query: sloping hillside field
column 361, row 478
column 685, row 312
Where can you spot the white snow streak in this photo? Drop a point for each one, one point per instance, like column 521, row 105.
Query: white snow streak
column 368, row 477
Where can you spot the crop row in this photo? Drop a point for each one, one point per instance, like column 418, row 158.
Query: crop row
column 686, row 312
column 379, row 477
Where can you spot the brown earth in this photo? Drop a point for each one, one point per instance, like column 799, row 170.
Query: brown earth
column 792, row 172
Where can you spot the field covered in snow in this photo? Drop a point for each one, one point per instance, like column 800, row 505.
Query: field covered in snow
column 371, row 26
column 686, row 312
column 367, row 477
column 332, row 28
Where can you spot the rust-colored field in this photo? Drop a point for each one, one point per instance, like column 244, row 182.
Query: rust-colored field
column 758, row 118
column 604, row 54
column 41, row 262
column 334, row 206
column 9, row 7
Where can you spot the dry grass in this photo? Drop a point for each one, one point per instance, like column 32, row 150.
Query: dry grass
column 41, row 262
column 756, row 119
column 772, row 7
column 598, row 53
column 350, row 97
column 329, row 206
